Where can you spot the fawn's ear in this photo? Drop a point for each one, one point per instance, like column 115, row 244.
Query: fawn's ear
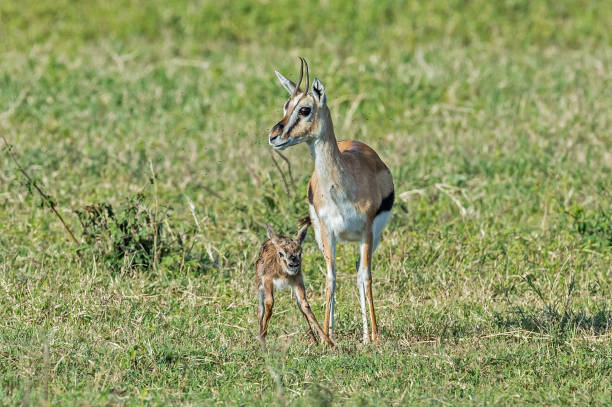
column 271, row 233
column 301, row 234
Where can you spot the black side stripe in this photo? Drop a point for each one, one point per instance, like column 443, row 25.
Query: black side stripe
column 387, row 203
column 310, row 194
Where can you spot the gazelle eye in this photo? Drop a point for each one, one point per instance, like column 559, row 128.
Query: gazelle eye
column 281, row 254
column 304, row 111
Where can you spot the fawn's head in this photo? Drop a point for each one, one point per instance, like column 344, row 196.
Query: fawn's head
column 289, row 251
column 303, row 112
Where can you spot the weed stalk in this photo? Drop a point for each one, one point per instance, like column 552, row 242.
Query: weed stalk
column 48, row 200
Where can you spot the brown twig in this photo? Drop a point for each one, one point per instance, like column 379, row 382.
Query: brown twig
column 251, row 171
column 281, row 174
column 213, row 193
column 155, row 223
column 288, row 168
column 46, row 198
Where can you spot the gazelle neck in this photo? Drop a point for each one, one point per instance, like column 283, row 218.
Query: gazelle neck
column 325, row 152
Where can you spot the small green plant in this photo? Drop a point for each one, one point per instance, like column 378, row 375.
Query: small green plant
column 131, row 236
column 595, row 227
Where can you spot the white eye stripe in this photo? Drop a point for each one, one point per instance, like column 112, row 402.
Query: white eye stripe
column 293, row 120
column 295, row 115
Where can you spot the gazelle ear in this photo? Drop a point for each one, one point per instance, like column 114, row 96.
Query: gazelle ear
column 318, row 91
column 301, row 234
column 271, row 233
column 286, row 83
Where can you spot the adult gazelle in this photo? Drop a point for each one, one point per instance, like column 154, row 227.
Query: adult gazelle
column 350, row 192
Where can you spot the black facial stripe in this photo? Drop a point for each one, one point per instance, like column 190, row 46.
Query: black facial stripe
column 278, row 127
column 292, row 126
column 293, row 110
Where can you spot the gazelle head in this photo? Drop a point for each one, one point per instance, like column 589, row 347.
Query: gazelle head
column 289, row 250
column 301, row 112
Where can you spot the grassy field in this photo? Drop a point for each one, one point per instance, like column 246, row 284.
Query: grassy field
column 493, row 282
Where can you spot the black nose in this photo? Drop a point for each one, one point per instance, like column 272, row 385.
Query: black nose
column 279, row 127
column 277, row 130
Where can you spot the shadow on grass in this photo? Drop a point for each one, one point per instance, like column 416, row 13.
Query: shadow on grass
column 549, row 320
column 556, row 317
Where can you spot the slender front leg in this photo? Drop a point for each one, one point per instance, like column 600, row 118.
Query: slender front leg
column 329, row 252
column 300, row 295
column 365, row 264
column 268, row 304
column 299, row 305
column 261, row 296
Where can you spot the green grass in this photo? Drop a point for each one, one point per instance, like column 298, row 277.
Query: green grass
column 493, row 281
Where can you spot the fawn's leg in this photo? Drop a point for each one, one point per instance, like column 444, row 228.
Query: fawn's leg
column 261, row 296
column 300, row 294
column 299, row 305
column 268, row 304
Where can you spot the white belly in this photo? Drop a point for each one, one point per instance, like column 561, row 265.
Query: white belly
column 343, row 220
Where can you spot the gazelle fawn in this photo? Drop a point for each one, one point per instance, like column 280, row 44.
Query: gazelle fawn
column 350, row 191
column 280, row 265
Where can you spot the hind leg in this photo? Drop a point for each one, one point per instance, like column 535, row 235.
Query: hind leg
column 362, row 300
column 369, row 242
column 365, row 284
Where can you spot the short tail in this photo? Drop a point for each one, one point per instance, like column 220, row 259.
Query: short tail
column 304, row 221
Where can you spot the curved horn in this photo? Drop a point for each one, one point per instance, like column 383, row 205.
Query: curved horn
column 307, row 76
column 299, row 82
